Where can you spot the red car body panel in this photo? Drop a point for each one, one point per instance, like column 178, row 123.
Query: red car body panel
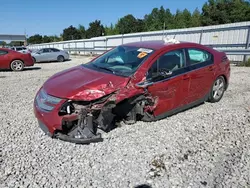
column 168, row 95
column 11, row 55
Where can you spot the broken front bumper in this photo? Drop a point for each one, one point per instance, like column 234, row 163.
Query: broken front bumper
column 51, row 125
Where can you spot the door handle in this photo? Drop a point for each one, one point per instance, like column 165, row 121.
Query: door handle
column 210, row 68
column 186, row 77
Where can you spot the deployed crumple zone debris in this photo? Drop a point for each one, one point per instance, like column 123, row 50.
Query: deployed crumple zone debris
column 83, row 119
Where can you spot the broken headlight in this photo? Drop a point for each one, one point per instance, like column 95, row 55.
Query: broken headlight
column 46, row 102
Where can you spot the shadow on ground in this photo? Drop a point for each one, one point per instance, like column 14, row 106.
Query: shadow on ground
column 143, row 186
column 52, row 61
column 25, row 69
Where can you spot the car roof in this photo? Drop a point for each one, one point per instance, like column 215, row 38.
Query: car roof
column 155, row 44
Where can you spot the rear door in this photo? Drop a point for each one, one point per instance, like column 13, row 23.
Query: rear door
column 201, row 73
column 4, row 60
column 169, row 92
column 54, row 53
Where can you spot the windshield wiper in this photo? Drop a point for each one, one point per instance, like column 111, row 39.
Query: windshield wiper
column 116, row 72
column 104, row 68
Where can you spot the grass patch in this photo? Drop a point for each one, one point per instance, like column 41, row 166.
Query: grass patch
column 245, row 63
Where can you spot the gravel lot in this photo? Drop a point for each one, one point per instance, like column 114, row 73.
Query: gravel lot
column 207, row 146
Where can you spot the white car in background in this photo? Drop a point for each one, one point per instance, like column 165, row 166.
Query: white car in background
column 21, row 49
column 49, row 54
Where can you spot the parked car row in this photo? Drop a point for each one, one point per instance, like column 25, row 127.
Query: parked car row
column 17, row 58
column 49, row 54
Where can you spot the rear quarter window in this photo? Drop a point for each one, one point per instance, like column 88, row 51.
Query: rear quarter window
column 199, row 56
column 3, row 52
column 55, row 50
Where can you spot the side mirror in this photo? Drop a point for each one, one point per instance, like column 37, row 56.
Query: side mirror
column 165, row 73
column 144, row 84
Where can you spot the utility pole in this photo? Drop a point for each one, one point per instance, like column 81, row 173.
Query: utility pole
column 25, row 42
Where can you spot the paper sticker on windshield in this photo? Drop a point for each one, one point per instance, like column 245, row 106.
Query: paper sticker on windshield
column 145, row 50
column 142, row 55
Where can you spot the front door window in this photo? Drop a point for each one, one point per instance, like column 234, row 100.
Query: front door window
column 171, row 62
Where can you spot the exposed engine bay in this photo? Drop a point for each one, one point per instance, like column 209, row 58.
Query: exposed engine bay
column 82, row 119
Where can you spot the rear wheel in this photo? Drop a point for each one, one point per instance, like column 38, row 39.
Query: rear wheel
column 17, row 65
column 217, row 90
column 60, row 58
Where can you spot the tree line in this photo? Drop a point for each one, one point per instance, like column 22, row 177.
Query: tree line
column 213, row 12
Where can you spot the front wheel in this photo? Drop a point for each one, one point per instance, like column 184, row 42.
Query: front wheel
column 217, row 90
column 17, row 65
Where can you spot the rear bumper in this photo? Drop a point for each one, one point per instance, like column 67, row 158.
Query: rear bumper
column 29, row 63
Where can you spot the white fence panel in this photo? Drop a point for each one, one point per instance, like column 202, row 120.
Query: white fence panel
column 226, row 36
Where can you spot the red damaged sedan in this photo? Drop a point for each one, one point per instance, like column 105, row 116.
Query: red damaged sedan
column 144, row 81
column 16, row 61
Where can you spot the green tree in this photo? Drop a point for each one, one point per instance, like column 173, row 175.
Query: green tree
column 129, row 24
column 35, row 39
column 179, row 19
column 225, row 11
column 111, row 30
column 82, row 31
column 3, row 43
column 55, row 38
column 187, row 18
column 152, row 22
column 169, row 19
column 71, row 33
column 238, row 11
column 159, row 19
column 196, row 18
column 95, row 29
column 46, row 39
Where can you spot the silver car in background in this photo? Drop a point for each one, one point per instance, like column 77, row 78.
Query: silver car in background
column 21, row 49
column 49, row 54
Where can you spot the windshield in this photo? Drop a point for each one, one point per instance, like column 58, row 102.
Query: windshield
column 122, row 60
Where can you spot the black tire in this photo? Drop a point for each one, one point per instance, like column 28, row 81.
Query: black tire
column 16, row 65
column 34, row 59
column 217, row 90
column 60, row 58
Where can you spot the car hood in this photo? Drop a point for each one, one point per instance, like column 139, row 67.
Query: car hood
column 80, row 83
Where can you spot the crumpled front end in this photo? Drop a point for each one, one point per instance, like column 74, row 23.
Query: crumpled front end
column 78, row 121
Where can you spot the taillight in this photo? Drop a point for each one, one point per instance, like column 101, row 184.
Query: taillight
column 224, row 59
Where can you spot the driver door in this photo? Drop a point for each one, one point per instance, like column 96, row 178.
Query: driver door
column 170, row 91
column 43, row 55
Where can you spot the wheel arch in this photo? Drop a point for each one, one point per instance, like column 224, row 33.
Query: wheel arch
column 226, row 80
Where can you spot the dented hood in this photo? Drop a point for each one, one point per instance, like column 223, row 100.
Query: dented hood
column 80, row 83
